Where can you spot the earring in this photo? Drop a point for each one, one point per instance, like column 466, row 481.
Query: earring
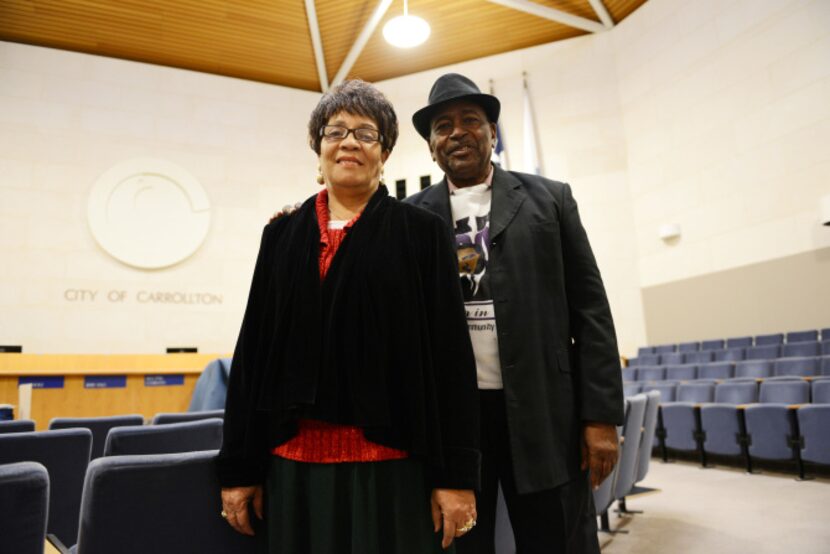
column 382, row 178
column 320, row 179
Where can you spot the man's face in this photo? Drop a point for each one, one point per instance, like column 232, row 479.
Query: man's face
column 461, row 141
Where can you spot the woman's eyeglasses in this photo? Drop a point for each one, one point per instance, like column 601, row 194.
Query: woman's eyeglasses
column 338, row 132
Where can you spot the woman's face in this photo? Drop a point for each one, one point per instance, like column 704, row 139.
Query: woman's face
column 349, row 162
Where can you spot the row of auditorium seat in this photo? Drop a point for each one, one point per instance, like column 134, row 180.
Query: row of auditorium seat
column 782, row 420
column 66, row 449
column 812, row 335
column 734, row 354
column 782, row 367
column 161, row 503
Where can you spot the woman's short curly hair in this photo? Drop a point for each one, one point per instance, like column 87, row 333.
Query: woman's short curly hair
column 359, row 98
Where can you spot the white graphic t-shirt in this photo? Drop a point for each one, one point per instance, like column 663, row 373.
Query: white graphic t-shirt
column 471, row 219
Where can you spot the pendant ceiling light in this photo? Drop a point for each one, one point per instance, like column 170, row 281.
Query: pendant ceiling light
column 406, row 31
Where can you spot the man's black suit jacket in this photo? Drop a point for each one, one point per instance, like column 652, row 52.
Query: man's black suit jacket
column 558, row 350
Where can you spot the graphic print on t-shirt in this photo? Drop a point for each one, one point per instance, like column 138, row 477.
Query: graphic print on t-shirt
column 472, row 237
column 471, row 216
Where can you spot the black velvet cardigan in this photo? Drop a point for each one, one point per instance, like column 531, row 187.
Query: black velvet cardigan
column 381, row 343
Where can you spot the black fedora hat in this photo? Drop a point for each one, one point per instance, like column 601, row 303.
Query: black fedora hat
column 448, row 88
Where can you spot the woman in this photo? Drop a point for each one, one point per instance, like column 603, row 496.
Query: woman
column 352, row 404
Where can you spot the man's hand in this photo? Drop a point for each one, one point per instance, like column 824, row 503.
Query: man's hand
column 235, row 507
column 600, row 448
column 455, row 511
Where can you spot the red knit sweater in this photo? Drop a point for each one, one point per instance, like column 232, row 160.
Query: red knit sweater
column 320, row 441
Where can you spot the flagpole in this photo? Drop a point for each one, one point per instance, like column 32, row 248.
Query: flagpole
column 501, row 145
column 532, row 154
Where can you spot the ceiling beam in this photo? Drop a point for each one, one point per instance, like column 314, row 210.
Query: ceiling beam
column 552, row 14
column 361, row 41
column 602, row 13
column 317, row 44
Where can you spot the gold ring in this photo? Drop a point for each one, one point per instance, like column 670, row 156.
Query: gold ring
column 224, row 514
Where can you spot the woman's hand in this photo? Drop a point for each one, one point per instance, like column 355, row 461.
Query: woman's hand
column 455, row 510
column 235, row 502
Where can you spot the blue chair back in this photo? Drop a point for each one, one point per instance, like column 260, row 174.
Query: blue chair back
column 672, row 358
column 182, row 417
column 716, row 344
column 665, row 348
column 739, row 342
column 730, row 354
column 688, row 346
column 98, row 426
column 784, row 392
column 189, row 436
column 161, row 503
column 647, row 440
column 652, row 373
column 774, row 338
column 821, row 392
column 802, row 336
column 754, row 368
column 24, row 505
column 17, row 426
column 763, row 352
column 211, row 387
column 630, row 389
column 681, row 372
column 801, row 350
column 695, row 392
column 632, row 431
column 65, row 455
column 666, row 390
column 716, row 370
column 737, row 393
column 804, row 367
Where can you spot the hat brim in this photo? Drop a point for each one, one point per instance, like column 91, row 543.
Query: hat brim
column 423, row 117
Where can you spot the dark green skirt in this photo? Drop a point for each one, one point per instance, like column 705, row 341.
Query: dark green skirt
column 348, row 508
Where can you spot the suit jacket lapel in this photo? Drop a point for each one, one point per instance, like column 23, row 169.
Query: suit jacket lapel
column 437, row 200
column 508, row 195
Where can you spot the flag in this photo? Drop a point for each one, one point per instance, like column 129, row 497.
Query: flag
column 532, row 159
column 500, row 154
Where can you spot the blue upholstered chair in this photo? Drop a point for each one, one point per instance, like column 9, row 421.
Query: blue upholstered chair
column 666, row 389
column 99, row 426
column 803, row 367
column 162, row 503
column 801, row 350
column 647, row 360
column 24, row 505
column 825, row 365
column 649, row 434
column 802, row 336
column 739, row 342
column 716, row 344
column 825, row 347
column 686, row 372
column 825, row 333
column 813, row 423
column 681, row 419
column 821, row 392
column 688, row 346
column 182, row 417
column 65, row 455
column 189, row 436
column 763, row 352
column 629, row 374
column 771, row 424
column 651, row 373
column 765, row 340
column 665, row 348
column 722, row 422
column 716, row 370
column 702, row 357
column 645, row 350
column 730, row 354
column 672, row 358
column 211, row 387
column 632, row 432
column 758, row 369
column 630, row 389
column 17, row 426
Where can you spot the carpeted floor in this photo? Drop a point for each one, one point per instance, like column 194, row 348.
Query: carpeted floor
column 724, row 511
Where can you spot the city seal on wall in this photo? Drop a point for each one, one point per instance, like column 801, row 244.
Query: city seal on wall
column 148, row 213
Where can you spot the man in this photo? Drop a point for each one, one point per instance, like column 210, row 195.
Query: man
column 546, row 352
